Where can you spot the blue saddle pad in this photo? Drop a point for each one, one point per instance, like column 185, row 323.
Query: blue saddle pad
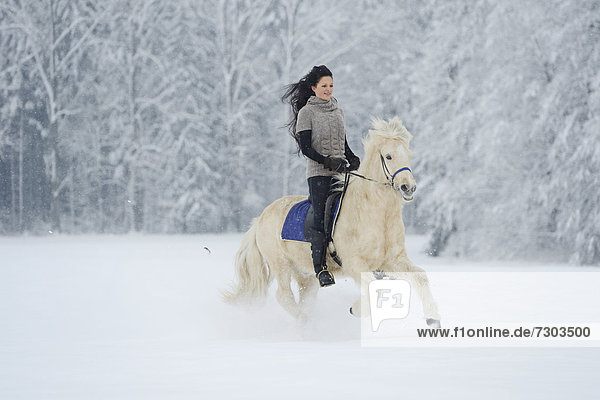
column 293, row 227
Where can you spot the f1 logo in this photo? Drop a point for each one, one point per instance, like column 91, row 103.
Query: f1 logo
column 388, row 299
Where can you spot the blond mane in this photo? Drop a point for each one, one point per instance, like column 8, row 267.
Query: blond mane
column 392, row 129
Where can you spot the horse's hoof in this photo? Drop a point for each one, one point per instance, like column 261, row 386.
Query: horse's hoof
column 433, row 323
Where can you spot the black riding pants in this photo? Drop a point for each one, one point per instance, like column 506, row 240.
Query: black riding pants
column 318, row 189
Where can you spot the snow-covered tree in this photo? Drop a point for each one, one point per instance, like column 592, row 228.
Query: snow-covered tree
column 56, row 34
column 160, row 116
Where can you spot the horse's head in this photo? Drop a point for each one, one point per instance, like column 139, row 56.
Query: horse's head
column 387, row 156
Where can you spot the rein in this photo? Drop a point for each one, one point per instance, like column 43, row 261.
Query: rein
column 389, row 176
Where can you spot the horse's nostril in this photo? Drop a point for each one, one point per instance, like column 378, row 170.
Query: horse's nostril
column 414, row 189
column 404, row 188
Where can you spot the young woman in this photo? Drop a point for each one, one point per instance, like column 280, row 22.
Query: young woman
column 319, row 129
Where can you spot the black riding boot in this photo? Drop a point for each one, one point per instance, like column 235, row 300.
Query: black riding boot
column 318, row 245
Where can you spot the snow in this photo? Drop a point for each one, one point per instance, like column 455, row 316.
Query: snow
column 140, row 317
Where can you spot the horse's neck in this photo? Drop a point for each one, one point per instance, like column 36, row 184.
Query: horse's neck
column 375, row 204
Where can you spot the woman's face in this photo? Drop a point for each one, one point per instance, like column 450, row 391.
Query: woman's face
column 324, row 88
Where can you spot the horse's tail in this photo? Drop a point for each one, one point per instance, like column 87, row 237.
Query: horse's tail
column 253, row 276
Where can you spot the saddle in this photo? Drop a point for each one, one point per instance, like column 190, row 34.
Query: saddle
column 331, row 212
column 297, row 226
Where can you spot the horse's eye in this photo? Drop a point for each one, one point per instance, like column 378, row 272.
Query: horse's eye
column 389, row 157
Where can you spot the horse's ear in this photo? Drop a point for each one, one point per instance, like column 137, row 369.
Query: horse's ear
column 403, row 133
column 407, row 136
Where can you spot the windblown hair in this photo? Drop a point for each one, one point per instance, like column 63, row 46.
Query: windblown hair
column 297, row 94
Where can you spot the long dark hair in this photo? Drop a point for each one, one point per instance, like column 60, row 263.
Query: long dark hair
column 297, row 94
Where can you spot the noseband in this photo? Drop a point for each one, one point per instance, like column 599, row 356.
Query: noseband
column 387, row 172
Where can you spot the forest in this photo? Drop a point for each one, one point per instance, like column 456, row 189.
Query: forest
column 159, row 116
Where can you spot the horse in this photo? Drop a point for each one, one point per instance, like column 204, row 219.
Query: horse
column 369, row 234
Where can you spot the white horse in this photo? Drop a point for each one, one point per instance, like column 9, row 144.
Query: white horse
column 368, row 236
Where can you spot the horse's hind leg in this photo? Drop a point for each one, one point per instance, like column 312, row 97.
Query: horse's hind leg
column 360, row 307
column 284, row 294
column 307, row 290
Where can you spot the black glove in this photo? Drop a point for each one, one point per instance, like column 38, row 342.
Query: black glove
column 335, row 164
column 354, row 163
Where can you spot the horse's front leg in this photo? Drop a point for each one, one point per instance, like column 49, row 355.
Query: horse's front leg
column 418, row 279
column 360, row 308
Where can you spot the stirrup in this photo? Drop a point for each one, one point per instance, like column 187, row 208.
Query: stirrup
column 325, row 278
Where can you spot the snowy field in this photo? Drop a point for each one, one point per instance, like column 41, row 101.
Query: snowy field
column 140, row 317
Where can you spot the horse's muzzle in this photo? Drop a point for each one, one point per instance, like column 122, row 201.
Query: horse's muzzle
column 408, row 191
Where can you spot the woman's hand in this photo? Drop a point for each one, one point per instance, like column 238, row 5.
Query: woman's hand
column 335, row 164
column 354, row 163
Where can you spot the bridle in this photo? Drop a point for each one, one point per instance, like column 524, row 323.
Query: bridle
column 387, row 171
column 389, row 176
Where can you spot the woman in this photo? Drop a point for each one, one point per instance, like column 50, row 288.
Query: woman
column 318, row 127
